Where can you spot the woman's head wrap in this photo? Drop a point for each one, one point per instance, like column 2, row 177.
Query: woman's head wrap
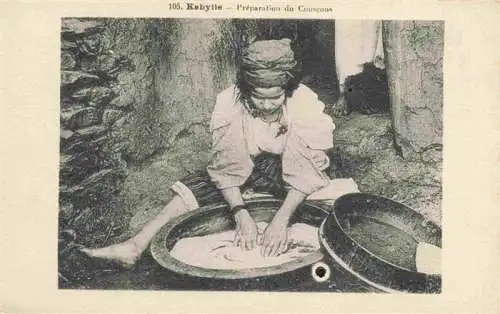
column 267, row 63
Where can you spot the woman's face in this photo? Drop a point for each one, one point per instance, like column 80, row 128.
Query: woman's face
column 267, row 101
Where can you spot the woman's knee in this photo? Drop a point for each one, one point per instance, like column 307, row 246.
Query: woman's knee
column 178, row 205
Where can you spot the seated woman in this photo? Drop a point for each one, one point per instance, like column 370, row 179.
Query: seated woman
column 270, row 135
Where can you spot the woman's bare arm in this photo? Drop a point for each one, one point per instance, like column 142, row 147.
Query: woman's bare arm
column 275, row 239
column 246, row 229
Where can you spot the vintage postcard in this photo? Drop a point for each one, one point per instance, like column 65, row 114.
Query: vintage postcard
column 252, row 157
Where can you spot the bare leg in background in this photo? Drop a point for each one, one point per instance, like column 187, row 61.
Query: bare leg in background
column 128, row 252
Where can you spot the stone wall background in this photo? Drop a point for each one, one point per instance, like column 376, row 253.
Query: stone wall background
column 92, row 168
column 133, row 111
column 414, row 58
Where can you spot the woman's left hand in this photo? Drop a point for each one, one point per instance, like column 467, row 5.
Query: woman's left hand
column 275, row 238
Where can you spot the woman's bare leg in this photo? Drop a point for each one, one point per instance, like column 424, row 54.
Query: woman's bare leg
column 129, row 251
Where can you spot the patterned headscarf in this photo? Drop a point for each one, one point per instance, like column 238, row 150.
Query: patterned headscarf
column 267, row 63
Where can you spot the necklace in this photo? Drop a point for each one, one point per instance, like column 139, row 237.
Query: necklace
column 256, row 113
column 278, row 117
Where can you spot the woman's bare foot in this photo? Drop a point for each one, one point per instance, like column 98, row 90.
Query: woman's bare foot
column 126, row 253
column 339, row 109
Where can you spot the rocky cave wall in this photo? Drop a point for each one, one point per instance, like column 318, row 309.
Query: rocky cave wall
column 414, row 59
column 130, row 96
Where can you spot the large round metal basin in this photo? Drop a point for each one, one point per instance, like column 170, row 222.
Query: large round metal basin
column 217, row 218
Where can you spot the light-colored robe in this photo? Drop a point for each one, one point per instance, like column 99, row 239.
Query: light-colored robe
column 237, row 137
column 357, row 42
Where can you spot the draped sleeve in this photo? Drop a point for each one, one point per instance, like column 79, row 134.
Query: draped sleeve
column 310, row 136
column 231, row 164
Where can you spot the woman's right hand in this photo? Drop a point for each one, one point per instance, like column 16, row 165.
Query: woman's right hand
column 246, row 231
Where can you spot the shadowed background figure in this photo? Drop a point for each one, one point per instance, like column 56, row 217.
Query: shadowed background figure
column 359, row 62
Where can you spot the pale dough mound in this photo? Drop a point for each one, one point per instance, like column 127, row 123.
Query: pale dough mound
column 216, row 251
